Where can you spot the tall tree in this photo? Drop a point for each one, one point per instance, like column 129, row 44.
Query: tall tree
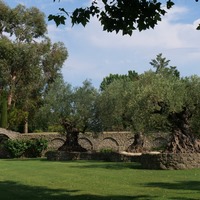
column 26, row 24
column 3, row 110
column 28, row 60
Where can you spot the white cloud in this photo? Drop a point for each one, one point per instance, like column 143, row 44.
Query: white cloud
column 95, row 54
column 167, row 34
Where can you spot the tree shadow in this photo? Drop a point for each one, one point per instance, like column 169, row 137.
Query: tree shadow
column 183, row 198
column 87, row 163
column 181, row 185
column 17, row 191
column 109, row 165
column 24, row 159
column 185, row 186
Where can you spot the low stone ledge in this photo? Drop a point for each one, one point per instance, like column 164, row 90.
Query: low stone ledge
column 112, row 156
column 170, row 161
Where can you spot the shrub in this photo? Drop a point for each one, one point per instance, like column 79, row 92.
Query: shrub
column 16, row 148
column 27, row 148
column 55, row 128
column 36, row 147
column 106, row 150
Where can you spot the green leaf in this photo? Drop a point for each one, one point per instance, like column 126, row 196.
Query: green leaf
column 169, row 4
column 58, row 19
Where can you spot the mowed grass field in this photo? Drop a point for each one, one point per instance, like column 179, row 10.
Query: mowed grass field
column 35, row 179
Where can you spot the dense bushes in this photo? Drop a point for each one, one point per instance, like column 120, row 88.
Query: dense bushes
column 26, row 148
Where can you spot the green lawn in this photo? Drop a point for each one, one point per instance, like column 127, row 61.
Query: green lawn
column 83, row 180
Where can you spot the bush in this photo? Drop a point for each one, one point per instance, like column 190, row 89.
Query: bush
column 55, row 128
column 36, row 147
column 16, row 148
column 27, row 148
column 106, row 150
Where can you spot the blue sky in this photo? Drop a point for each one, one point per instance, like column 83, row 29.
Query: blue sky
column 94, row 54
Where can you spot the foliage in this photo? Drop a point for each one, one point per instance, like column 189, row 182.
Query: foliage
column 141, row 103
column 106, row 150
column 146, row 103
column 112, row 105
column 161, row 66
column 76, row 106
column 157, row 100
column 56, row 128
column 118, row 15
column 57, row 102
column 28, row 148
column 16, row 148
column 84, row 111
column 36, row 147
column 28, row 60
column 132, row 75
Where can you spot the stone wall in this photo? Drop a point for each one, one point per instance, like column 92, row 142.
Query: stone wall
column 116, row 141
column 170, row 161
column 8, row 134
column 120, row 141
column 55, row 140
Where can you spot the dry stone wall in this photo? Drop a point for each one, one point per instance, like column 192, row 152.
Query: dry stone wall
column 55, row 140
column 116, row 141
column 8, row 134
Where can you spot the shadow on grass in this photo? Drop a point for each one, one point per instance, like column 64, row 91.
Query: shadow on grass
column 183, row 198
column 24, row 159
column 109, row 165
column 181, row 185
column 16, row 191
column 193, row 186
column 88, row 163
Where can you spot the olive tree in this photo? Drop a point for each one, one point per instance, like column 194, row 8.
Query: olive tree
column 173, row 99
column 72, row 108
column 82, row 116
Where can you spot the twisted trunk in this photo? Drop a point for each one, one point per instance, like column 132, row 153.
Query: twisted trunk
column 182, row 140
column 138, row 144
column 71, row 143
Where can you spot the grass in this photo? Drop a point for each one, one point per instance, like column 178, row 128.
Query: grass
column 82, row 180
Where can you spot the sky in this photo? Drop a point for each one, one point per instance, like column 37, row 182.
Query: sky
column 94, row 53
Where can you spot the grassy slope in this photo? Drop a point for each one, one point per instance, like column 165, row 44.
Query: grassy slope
column 82, row 180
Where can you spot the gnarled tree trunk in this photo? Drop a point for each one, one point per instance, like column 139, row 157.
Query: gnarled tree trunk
column 138, row 144
column 71, row 144
column 182, row 140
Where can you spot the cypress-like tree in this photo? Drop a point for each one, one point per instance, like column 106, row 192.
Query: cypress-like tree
column 4, row 111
